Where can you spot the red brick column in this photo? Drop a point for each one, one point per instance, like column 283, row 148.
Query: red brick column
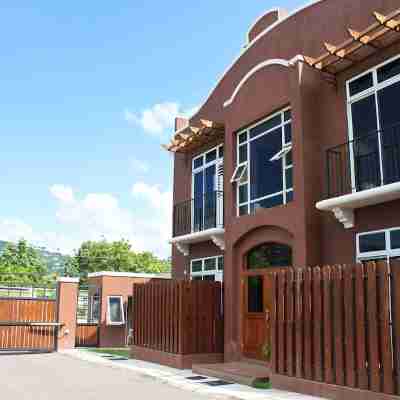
column 67, row 300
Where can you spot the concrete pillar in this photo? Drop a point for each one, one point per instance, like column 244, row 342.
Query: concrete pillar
column 67, row 301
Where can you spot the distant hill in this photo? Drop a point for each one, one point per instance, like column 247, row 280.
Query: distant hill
column 54, row 261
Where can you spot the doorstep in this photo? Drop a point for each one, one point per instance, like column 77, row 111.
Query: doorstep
column 243, row 372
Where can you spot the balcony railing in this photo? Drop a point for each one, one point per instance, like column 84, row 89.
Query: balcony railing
column 364, row 163
column 199, row 214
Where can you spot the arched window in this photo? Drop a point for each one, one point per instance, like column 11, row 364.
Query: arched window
column 269, row 255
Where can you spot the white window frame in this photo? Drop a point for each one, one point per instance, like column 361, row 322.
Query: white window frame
column 373, row 90
column 217, row 162
column 286, row 148
column 95, row 298
column 217, row 273
column 121, row 299
column 383, row 254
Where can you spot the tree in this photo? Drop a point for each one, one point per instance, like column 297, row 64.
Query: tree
column 23, row 264
column 116, row 256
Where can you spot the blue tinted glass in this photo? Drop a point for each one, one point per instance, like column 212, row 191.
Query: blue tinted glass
column 289, row 159
column 210, row 179
column 242, row 153
column 243, row 194
column 395, row 239
column 198, row 162
column 289, row 178
column 372, row 242
column 243, row 137
column 287, row 115
column 211, row 156
column 221, row 151
column 267, row 203
column 288, row 133
column 389, row 70
column 289, row 196
column 266, row 126
column 198, row 202
column 361, row 84
column 266, row 176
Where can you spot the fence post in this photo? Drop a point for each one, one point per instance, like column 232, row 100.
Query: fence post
column 67, row 299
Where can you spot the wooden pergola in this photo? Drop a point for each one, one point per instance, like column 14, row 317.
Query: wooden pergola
column 192, row 137
column 381, row 34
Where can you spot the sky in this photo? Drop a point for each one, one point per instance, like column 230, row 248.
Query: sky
column 88, row 93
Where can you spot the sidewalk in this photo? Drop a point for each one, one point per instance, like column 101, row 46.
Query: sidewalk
column 186, row 380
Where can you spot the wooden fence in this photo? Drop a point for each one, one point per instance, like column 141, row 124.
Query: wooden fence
column 178, row 317
column 338, row 325
column 27, row 324
column 87, row 335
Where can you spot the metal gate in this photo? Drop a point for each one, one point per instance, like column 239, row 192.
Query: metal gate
column 28, row 319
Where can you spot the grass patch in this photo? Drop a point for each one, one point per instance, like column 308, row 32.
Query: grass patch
column 262, row 383
column 113, row 352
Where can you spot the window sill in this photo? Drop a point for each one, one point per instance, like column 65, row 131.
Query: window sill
column 343, row 206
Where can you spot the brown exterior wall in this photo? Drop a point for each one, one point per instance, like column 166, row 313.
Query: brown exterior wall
column 319, row 121
column 113, row 336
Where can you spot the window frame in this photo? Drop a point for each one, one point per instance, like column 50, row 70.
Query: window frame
column 217, row 272
column 121, row 299
column 219, row 160
column 382, row 254
column 351, row 99
column 286, row 148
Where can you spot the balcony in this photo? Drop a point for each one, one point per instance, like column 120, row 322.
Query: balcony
column 199, row 219
column 362, row 172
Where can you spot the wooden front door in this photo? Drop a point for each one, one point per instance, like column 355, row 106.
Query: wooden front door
column 257, row 298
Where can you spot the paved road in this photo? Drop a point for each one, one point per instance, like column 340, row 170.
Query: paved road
column 59, row 377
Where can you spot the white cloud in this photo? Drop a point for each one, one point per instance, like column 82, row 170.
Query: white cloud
column 146, row 223
column 63, row 193
column 159, row 118
column 139, row 165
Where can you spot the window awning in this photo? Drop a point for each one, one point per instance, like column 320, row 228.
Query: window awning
column 192, row 137
column 383, row 33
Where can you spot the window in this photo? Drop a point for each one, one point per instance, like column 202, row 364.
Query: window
column 115, row 310
column 207, row 187
column 269, row 255
column 378, row 244
column 255, row 295
column 264, row 171
column 94, row 314
column 374, row 126
column 207, row 269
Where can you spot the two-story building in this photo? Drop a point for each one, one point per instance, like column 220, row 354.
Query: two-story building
column 293, row 159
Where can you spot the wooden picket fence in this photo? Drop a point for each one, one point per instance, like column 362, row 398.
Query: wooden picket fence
column 178, row 317
column 338, row 325
column 87, row 335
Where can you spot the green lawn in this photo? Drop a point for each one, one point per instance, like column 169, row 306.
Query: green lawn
column 114, row 352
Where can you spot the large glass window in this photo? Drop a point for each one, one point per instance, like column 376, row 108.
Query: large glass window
column 207, row 269
column 378, row 244
column 269, row 255
column 115, row 311
column 264, row 172
column 207, row 187
column 374, row 126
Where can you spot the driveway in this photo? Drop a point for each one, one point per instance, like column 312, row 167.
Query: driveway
column 59, row 377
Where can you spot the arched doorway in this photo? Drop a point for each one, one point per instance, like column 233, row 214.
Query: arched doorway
column 257, row 298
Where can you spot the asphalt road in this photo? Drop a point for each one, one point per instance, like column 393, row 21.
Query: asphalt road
column 59, row 377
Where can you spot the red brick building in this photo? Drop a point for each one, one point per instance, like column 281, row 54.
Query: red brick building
column 293, row 159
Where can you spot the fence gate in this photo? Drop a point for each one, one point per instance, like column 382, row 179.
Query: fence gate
column 87, row 318
column 28, row 318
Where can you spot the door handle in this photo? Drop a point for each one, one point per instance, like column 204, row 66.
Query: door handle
column 267, row 315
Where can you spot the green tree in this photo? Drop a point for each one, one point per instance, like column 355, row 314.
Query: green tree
column 22, row 263
column 116, row 256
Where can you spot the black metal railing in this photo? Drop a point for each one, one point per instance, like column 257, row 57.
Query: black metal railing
column 199, row 214
column 364, row 163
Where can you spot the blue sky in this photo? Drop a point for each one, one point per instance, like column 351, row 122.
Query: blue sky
column 88, row 94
